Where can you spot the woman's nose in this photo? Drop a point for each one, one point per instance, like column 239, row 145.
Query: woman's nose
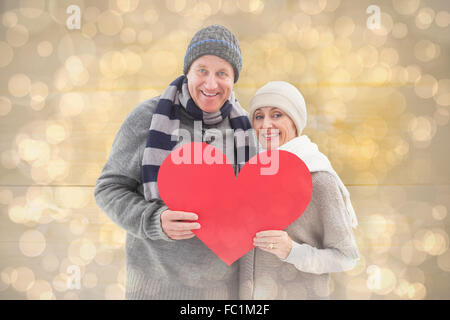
column 267, row 123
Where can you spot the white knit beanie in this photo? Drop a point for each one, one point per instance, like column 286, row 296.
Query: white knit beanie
column 285, row 97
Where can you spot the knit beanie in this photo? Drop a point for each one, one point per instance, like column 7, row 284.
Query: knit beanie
column 284, row 96
column 218, row 41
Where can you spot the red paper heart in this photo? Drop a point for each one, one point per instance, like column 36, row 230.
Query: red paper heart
column 232, row 210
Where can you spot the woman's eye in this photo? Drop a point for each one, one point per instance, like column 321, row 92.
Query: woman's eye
column 222, row 74
column 258, row 117
column 277, row 115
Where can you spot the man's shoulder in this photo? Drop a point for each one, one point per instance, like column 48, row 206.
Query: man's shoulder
column 140, row 116
column 145, row 108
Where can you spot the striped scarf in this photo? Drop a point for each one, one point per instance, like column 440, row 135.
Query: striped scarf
column 162, row 136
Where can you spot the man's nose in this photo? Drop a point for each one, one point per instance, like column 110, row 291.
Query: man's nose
column 210, row 82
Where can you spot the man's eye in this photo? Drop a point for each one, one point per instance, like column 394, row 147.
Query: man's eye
column 222, row 74
column 202, row 70
column 258, row 117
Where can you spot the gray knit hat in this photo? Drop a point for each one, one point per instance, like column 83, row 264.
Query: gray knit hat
column 218, row 41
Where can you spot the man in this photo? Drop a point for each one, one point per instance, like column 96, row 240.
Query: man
column 164, row 258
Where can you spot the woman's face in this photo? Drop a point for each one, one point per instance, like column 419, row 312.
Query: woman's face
column 210, row 82
column 273, row 127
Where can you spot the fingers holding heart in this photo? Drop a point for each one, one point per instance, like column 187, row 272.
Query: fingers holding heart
column 276, row 242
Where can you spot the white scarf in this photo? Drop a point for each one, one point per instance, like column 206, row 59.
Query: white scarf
column 315, row 160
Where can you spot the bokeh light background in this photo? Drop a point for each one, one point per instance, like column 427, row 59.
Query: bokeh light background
column 378, row 104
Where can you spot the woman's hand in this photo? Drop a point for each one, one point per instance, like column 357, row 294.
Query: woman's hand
column 274, row 241
column 176, row 225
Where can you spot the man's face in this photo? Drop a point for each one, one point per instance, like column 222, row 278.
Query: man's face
column 210, row 82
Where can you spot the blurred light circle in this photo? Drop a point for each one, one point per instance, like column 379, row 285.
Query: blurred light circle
column 417, row 291
column 32, row 8
column 164, row 63
column 17, row 36
column 437, row 243
column 8, row 276
column 24, row 280
column 356, row 288
column 90, row 280
column 113, row 64
column 424, row 18
column 45, row 48
column 57, row 169
column 9, row 19
column 40, row 290
column 442, row 19
column 114, row 292
column 50, row 262
column 17, row 213
column 399, row 30
column 312, row 7
column 91, row 14
column 443, row 261
column 414, row 73
column 128, row 35
column 308, row 38
column 110, row 23
column 104, row 256
column 6, row 54
column 426, row 87
column 89, row 29
column 133, row 62
column 425, row 50
column 6, row 196
column 145, row 37
column 81, row 251
column 369, row 56
column 442, row 96
column 78, row 226
column 72, row 197
column 32, row 243
column 19, row 85
column 55, row 133
column 386, row 25
column 127, row 5
column 176, row 5
column 384, row 281
column 389, row 56
column 422, row 128
column 71, row 104
column 38, row 91
column 250, row 6
column 441, row 116
column 151, row 16
column 5, row 106
column 406, row 7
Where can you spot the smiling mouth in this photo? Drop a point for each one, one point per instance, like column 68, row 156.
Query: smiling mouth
column 209, row 95
column 270, row 136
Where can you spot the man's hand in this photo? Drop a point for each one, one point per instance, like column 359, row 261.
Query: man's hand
column 176, row 225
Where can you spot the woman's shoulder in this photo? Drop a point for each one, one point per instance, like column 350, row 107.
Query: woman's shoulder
column 324, row 184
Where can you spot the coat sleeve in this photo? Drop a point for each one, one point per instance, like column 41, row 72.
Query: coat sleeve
column 339, row 251
column 115, row 191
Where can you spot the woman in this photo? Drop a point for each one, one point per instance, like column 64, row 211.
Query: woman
column 296, row 263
